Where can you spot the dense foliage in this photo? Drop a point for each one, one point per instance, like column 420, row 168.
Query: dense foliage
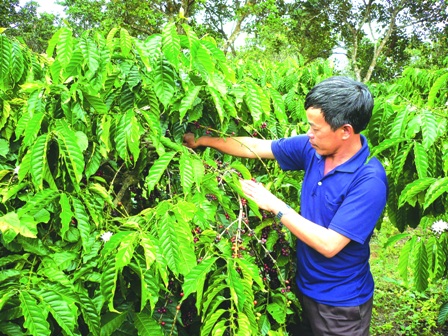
column 375, row 39
column 108, row 224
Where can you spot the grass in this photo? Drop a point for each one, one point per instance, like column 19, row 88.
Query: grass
column 398, row 308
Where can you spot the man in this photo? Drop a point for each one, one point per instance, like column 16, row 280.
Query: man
column 343, row 195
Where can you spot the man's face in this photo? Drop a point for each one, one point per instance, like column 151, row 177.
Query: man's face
column 324, row 140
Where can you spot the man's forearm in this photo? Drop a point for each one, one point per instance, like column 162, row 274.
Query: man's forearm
column 244, row 147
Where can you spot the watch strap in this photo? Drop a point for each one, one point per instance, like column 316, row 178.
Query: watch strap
column 280, row 214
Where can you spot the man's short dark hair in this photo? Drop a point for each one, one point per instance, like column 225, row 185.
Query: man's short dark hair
column 342, row 101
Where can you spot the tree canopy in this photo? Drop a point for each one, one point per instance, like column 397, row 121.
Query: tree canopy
column 378, row 37
column 26, row 24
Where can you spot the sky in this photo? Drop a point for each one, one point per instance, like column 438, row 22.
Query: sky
column 48, row 6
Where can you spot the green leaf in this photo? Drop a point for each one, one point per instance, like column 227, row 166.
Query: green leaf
column 157, row 169
column 35, row 318
column 110, row 38
column 125, row 251
column 235, row 184
column 5, row 275
column 215, row 288
column 413, row 189
column 256, row 101
column 429, row 128
column 279, row 106
column 75, row 64
column 242, row 169
column 188, row 100
column 198, row 171
column 236, row 286
column 404, row 259
column 193, row 42
column 221, row 327
column 64, row 46
column 150, row 288
column 108, row 284
column 146, row 325
column 210, row 44
column 52, row 42
column 435, row 190
column 38, row 202
column 66, row 213
column 5, row 114
column 82, row 222
column 90, row 313
column 5, row 60
column 421, row 160
column 421, row 271
column 400, row 160
column 73, row 157
column 149, row 247
column 386, row 144
column 38, row 160
column 17, row 63
column 112, row 322
column 400, row 122
column 125, row 42
column 169, row 241
column 203, row 61
column 102, row 192
column 11, row 221
column 59, row 306
column 153, row 47
column 96, row 103
column 439, row 85
column 128, row 137
column 11, row 329
column 196, row 277
column 90, row 53
column 171, row 44
column 164, row 85
column 4, row 147
column 94, row 161
column 219, row 103
column 210, row 321
column 186, row 172
column 243, row 325
column 392, row 240
column 443, row 314
column 277, row 308
column 33, row 127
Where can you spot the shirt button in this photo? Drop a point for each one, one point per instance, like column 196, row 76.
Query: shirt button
column 319, row 183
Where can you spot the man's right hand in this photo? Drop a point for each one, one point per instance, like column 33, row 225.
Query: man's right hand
column 190, row 141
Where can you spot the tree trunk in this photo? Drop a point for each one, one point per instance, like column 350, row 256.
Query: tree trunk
column 379, row 48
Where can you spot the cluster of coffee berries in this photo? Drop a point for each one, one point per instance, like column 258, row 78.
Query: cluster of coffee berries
column 196, row 233
column 211, row 197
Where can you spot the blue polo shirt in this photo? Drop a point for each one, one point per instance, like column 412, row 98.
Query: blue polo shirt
column 349, row 200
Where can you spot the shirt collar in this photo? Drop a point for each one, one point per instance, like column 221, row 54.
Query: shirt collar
column 356, row 160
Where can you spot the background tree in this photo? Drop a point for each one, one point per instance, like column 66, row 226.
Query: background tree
column 140, row 18
column 24, row 23
column 299, row 27
column 382, row 22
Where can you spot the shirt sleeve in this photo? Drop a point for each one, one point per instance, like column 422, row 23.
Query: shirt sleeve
column 291, row 153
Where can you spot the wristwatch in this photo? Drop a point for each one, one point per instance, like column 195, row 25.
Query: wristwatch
column 280, row 214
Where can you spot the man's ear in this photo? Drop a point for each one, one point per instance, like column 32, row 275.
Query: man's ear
column 347, row 131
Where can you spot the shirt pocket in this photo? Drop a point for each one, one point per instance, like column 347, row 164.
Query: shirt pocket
column 332, row 205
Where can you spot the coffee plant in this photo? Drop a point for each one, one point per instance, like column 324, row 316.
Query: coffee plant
column 409, row 132
column 109, row 225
